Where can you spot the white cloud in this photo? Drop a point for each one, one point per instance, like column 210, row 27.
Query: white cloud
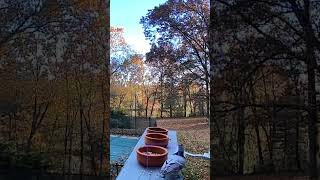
column 134, row 36
column 138, row 43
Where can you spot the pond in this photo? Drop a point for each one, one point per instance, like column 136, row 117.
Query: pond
column 121, row 147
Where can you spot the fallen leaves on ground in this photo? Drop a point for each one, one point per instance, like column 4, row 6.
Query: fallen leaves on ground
column 194, row 134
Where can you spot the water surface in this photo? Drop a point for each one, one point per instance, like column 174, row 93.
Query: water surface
column 121, row 147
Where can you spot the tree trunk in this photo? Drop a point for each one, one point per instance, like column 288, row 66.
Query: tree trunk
column 37, row 119
column 103, row 125
column 121, row 98
column 256, row 128
column 65, row 143
column 312, row 101
column 15, row 129
column 91, row 141
column 312, row 114
column 304, row 17
column 185, row 106
column 66, row 125
column 135, row 111
column 153, row 103
column 297, row 144
column 33, row 124
column 147, row 104
column 270, row 120
column 241, row 134
column 161, row 95
column 81, row 139
column 256, row 123
column 10, row 125
column 241, row 140
column 207, row 97
column 70, row 135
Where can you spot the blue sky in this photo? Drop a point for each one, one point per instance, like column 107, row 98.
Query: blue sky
column 127, row 14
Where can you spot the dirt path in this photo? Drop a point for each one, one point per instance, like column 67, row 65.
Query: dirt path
column 184, row 123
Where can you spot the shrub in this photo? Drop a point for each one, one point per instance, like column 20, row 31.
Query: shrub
column 11, row 159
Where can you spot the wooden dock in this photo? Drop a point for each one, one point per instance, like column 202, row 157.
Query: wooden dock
column 133, row 170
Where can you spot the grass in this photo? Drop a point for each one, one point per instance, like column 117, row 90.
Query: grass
column 194, row 134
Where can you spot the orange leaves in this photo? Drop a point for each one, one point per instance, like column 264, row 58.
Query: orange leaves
column 117, row 37
column 137, row 60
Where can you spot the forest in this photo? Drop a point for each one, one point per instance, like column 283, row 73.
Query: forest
column 172, row 79
column 264, row 86
column 54, row 87
column 250, row 67
column 165, row 86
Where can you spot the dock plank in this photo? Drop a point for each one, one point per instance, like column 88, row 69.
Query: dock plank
column 133, row 170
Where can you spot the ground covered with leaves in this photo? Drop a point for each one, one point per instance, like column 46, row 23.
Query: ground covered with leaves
column 194, row 134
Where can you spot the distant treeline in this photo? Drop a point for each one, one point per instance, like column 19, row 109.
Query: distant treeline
column 54, row 86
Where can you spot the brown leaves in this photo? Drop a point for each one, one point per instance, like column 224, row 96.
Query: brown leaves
column 198, row 129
